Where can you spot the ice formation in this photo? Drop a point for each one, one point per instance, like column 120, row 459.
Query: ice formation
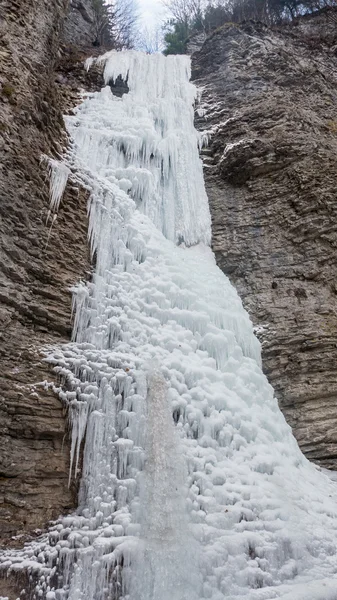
column 192, row 484
column 58, row 176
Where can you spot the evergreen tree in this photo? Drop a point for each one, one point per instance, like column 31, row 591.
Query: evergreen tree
column 175, row 40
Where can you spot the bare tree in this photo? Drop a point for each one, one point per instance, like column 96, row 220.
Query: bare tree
column 151, row 40
column 114, row 22
column 101, row 23
column 185, row 11
column 124, row 19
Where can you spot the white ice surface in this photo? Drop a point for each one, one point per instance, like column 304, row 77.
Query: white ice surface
column 59, row 173
column 192, row 483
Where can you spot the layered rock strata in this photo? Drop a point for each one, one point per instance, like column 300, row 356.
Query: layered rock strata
column 38, row 265
column 269, row 109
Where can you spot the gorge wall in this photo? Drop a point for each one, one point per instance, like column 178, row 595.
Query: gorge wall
column 38, row 265
column 270, row 169
column 269, row 105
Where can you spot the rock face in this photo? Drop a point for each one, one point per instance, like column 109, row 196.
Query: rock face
column 79, row 24
column 269, row 107
column 38, row 265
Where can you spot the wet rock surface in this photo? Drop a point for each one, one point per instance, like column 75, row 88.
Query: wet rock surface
column 269, row 107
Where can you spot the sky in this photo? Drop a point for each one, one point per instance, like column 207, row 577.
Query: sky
column 152, row 12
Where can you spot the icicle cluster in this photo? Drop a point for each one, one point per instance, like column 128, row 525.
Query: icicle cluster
column 59, row 173
column 192, row 483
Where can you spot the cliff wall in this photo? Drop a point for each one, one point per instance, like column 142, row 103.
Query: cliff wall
column 38, row 265
column 269, row 105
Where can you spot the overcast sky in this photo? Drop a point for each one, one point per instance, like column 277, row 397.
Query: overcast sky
column 152, row 12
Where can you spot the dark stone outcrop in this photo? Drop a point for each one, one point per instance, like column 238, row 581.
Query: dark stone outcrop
column 269, row 103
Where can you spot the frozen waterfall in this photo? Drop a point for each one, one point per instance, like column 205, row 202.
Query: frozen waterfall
column 192, row 484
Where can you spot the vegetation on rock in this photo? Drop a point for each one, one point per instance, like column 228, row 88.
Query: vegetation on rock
column 189, row 17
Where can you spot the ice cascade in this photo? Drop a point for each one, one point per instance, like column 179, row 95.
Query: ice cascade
column 192, row 484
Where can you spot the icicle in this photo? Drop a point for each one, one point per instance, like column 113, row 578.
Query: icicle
column 59, row 174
